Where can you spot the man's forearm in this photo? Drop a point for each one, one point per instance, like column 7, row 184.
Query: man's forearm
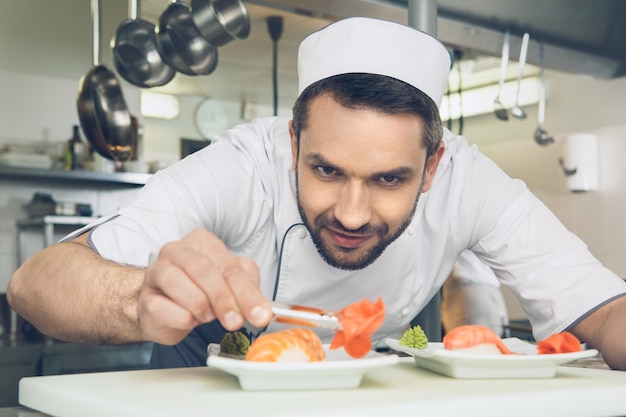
column 68, row 292
column 605, row 330
column 612, row 335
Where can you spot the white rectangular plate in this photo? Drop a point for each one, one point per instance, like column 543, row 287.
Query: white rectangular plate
column 456, row 364
column 339, row 370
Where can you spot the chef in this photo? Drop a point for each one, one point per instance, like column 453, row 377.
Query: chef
column 362, row 194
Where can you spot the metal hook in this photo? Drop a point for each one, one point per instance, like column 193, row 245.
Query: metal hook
column 567, row 171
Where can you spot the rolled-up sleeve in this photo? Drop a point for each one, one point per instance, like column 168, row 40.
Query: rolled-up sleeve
column 549, row 269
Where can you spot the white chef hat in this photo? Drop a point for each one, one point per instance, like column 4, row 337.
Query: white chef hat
column 364, row 45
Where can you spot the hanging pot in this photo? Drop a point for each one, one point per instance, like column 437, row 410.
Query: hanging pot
column 221, row 21
column 102, row 110
column 135, row 52
column 181, row 44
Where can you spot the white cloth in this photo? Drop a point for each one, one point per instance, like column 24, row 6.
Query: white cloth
column 242, row 188
column 401, row 52
column 468, row 268
column 471, row 295
column 465, row 302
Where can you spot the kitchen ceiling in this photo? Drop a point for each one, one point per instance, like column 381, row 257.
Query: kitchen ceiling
column 582, row 37
column 592, row 29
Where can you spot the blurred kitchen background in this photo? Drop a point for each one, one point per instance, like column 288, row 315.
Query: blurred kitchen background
column 46, row 46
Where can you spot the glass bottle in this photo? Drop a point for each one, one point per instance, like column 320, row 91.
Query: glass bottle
column 76, row 148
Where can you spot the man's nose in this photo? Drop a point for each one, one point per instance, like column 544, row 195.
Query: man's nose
column 353, row 209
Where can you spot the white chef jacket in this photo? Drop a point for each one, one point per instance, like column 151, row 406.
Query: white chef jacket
column 242, row 188
column 472, row 295
column 468, row 268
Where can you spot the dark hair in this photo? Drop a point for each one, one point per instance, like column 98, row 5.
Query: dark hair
column 373, row 91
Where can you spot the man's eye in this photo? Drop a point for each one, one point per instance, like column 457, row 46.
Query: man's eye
column 390, row 179
column 326, row 171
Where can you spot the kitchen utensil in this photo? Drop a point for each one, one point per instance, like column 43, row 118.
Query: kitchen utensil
column 275, row 30
column 43, row 204
column 517, row 111
column 102, row 110
column 135, row 53
column 499, row 109
column 181, row 44
column 221, row 21
column 542, row 137
column 304, row 316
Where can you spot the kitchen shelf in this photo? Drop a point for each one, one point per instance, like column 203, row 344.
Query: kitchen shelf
column 47, row 223
column 133, row 179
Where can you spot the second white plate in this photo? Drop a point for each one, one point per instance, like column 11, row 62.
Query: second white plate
column 528, row 364
column 339, row 370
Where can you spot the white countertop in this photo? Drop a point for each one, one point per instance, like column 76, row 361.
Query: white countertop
column 390, row 390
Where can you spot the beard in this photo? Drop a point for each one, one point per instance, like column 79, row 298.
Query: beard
column 338, row 257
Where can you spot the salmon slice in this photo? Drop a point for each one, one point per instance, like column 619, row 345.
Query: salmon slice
column 290, row 345
column 473, row 336
column 563, row 342
column 358, row 321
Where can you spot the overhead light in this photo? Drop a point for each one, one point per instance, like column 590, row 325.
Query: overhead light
column 159, row 105
column 479, row 101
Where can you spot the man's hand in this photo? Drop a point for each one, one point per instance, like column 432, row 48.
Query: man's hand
column 197, row 280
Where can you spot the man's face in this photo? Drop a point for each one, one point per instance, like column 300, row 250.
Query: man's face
column 359, row 175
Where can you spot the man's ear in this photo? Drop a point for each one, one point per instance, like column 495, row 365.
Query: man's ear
column 294, row 146
column 431, row 166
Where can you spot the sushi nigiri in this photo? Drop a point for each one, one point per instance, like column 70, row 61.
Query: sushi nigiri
column 290, row 345
column 475, row 338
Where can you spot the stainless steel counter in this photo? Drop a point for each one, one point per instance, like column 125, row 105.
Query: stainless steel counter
column 126, row 179
column 20, row 412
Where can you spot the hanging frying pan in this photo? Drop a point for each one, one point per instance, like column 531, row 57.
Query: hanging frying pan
column 181, row 44
column 221, row 21
column 135, row 53
column 102, row 110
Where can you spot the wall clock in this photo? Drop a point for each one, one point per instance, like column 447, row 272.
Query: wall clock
column 212, row 117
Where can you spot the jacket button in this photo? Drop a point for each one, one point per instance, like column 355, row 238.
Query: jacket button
column 301, row 232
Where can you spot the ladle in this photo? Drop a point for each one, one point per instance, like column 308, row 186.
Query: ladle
column 499, row 109
column 542, row 137
column 517, row 111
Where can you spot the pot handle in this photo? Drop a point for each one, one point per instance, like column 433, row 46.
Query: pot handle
column 95, row 17
column 133, row 9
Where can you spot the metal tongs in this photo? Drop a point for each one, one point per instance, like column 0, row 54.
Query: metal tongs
column 305, row 316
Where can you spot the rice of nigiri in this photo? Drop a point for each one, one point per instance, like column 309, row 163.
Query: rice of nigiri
column 290, row 345
column 481, row 348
